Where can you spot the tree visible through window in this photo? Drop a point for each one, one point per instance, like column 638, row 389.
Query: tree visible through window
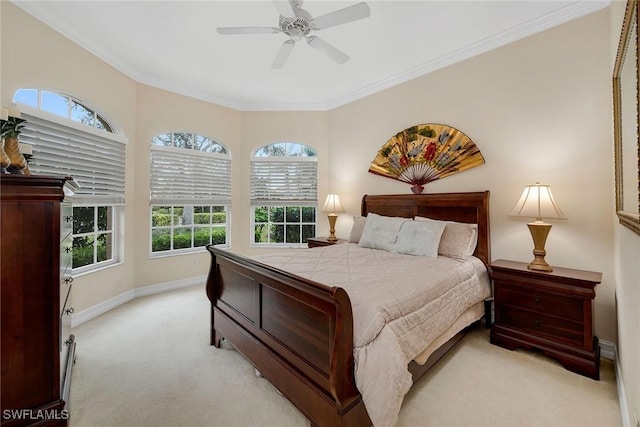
column 284, row 194
column 190, row 192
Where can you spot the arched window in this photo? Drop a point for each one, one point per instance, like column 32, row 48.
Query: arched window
column 68, row 138
column 61, row 105
column 284, row 194
column 190, row 192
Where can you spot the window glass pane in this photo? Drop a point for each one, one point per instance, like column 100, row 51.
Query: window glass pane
column 163, row 140
column 276, row 214
column 219, row 236
column 202, row 236
column 201, row 215
column 182, row 238
column 27, row 96
column 261, row 214
column 102, row 124
column 276, row 234
column 54, row 103
column 104, row 218
column 308, row 231
column 293, row 214
column 182, row 140
column 104, row 247
column 160, row 240
column 308, row 214
column 261, row 233
column 79, row 113
column 160, row 216
column 293, row 233
column 177, row 215
column 82, row 251
column 219, row 217
column 83, row 220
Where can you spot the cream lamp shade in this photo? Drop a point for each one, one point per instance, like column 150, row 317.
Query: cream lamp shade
column 538, row 202
column 332, row 205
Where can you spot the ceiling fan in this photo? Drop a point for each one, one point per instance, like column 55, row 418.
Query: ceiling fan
column 297, row 23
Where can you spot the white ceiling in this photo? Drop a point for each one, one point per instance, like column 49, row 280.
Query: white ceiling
column 174, row 45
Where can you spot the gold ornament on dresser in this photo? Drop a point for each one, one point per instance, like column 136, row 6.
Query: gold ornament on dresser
column 11, row 159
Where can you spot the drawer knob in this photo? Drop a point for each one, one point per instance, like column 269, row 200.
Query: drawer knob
column 68, row 218
column 69, row 311
column 68, row 280
column 67, row 249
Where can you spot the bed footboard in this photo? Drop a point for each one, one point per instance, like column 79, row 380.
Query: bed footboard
column 296, row 332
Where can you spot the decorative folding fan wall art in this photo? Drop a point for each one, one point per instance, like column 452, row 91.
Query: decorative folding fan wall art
column 423, row 153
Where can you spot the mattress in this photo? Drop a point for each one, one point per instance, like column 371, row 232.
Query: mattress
column 402, row 304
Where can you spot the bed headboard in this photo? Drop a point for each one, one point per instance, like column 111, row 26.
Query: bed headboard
column 461, row 207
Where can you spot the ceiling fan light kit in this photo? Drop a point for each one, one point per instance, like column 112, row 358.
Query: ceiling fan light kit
column 297, row 23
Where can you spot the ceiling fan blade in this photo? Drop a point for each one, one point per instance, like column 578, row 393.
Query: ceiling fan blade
column 333, row 53
column 284, row 8
column 341, row 16
column 283, row 54
column 248, row 30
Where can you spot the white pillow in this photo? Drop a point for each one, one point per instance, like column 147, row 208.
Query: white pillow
column 357, row 228
column 420, row 238
column 458, row 240
column 381, row 232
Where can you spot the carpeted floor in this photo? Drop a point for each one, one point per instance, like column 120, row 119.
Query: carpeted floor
column 149, row 363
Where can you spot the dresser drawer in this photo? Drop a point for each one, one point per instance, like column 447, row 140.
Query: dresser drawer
column 542, row 324
column 542, row 302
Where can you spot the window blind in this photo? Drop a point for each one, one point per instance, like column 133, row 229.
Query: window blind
column 284, row 181
column 180, row 176
column 95, row 159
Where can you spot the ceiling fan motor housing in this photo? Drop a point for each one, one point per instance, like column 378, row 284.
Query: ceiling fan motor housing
column 296, row 28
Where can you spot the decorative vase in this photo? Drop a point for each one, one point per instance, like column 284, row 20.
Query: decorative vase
column 4, row 159
column 18, row 163
column 417, row 189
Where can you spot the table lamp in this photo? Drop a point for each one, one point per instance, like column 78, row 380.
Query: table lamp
column 538, row 202
column 332, row 205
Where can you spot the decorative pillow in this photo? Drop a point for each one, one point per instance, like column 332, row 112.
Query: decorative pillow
column 357, row 228
column 381, row 232
column 420, row 238
column 458, row 239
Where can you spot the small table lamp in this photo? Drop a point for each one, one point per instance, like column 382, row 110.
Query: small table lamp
column 332, row 205
column 538, row 202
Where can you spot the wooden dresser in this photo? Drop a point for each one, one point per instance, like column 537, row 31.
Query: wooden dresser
column 34, row 353
column 547, row 311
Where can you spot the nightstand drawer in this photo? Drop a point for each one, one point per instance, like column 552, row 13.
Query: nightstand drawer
column 541, row 324
column 542, row 302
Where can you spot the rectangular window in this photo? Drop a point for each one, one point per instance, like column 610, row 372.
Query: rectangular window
column 96, row 161
column 187, row 227
column 93, row 240
column 283, row 225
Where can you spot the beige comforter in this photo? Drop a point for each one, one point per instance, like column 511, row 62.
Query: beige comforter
column 400, row 304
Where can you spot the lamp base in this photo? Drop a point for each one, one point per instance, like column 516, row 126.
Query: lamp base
column 539, row 232
column 332, row 227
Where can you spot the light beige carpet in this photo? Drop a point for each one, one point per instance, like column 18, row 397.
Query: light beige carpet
column 149, row 363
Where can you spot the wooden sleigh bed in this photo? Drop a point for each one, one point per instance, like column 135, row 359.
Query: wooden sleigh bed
column 299, row 333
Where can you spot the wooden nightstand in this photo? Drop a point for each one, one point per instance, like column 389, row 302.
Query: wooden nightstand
column 548, row 311
column 314, row 242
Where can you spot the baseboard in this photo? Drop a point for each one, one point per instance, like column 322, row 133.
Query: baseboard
column 83, row 316
column 608, row 350
column 100, row 308
column 622, row 394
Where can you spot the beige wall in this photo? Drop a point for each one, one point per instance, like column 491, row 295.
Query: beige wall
column 45, row 59
column 627, row 271
column 539, row 109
